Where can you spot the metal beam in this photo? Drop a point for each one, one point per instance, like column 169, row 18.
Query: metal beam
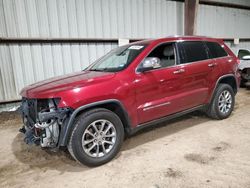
column 8, row 40
column 223, row 4
column 191, row 8
column 78, row 40
column 10, row 101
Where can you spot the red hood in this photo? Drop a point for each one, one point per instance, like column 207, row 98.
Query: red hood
column 51, row 87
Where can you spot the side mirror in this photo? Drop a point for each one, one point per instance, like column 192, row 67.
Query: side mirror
column 246, row 57
column 149, row 63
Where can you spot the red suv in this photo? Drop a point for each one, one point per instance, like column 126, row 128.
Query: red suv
column 130, row 88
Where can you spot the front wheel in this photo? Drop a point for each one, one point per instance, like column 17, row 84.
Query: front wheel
column 243, row 82
column 97, row 137
column 222, row 103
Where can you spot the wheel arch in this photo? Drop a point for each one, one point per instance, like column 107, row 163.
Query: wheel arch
column 226, row 79
column 113, row 105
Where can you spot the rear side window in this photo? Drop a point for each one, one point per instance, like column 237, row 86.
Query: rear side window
column 216, row 50
column 193, row 51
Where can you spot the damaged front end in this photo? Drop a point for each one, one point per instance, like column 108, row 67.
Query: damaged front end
column 43, row 121
column 244, row 69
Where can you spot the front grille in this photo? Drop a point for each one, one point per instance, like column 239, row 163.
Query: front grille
column 31, row 107
column 42, row 104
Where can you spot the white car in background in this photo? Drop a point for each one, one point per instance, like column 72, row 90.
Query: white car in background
column 244, row 67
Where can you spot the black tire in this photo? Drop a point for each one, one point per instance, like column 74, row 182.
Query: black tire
column 243, row 82
column 75, row 146
column 213, row 110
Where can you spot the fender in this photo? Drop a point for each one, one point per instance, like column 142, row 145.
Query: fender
column 218, row 81
column 68, row 125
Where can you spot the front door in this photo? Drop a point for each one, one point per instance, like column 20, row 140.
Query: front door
column 158, row 91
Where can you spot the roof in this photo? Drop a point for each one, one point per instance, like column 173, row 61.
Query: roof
column 180, row 37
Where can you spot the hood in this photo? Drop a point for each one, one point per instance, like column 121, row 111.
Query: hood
column 51, row 87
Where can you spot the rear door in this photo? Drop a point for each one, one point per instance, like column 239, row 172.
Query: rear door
column 200, row 72
column 222, row 60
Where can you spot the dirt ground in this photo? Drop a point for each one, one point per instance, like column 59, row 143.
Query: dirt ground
column 191, row 151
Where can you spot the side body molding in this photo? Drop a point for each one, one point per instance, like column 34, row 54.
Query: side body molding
column 68, row 125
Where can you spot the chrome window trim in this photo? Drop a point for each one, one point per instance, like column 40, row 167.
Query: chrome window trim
column 155, row 106
column 181, row 64
column 191, row 62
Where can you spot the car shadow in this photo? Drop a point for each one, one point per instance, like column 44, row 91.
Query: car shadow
column 164, row 129
column 37, row 158
column 43, row 159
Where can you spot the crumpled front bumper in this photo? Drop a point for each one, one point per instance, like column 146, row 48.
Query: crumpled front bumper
column 33, row 114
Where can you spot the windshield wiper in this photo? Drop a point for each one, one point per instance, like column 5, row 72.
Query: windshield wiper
column 100, row 70
column 105, row 70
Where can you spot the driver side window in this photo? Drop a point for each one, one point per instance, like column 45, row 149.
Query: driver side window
column 166, row 54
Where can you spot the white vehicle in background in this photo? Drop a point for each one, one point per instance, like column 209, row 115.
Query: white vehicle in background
column 244, row 67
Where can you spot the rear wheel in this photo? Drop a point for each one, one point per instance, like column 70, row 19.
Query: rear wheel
column 97, row 137
column 222, row 103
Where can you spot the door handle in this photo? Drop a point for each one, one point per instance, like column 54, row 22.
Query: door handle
column 212, row 64
column 179, row 71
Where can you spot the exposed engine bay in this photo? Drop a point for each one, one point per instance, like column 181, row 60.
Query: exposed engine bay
column 244, row 67
column 43, row 121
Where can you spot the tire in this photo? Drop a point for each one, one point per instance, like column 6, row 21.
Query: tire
column 91, row 126
column 243, row 82
column 215, row 111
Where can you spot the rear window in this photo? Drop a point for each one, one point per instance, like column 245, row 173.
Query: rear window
column 216, row 50
column 193, row 51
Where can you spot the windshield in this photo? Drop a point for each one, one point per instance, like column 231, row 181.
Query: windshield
column 117, row 59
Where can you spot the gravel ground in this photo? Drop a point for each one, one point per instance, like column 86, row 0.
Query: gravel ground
column 191, row 151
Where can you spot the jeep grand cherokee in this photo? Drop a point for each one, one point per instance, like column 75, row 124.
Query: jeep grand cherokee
column 130, row 88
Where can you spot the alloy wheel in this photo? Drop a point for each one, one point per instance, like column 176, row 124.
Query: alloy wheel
column 99, row 138
column 225, row 102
